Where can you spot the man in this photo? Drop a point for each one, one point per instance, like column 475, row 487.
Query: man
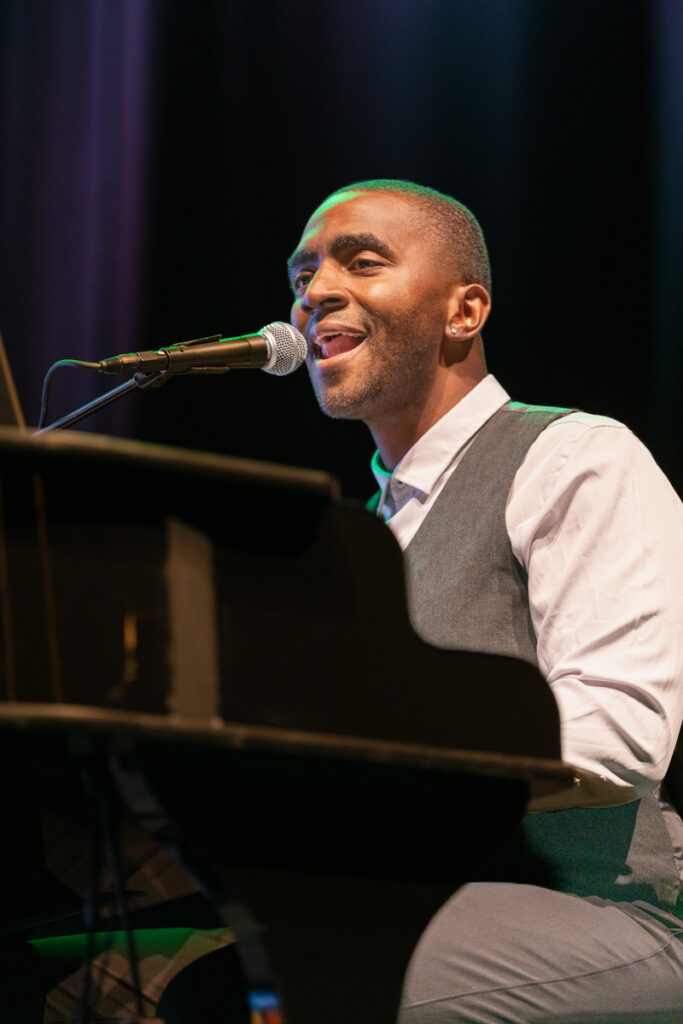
column 546, row 534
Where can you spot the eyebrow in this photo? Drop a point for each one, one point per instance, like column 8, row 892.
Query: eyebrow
column 339, row 246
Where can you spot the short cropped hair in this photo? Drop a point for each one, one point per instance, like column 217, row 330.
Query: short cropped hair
column 455, row 228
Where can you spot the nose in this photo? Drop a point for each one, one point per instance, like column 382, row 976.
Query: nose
column 324, row 289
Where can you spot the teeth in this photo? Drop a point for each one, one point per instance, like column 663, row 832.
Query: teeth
column 320, row 339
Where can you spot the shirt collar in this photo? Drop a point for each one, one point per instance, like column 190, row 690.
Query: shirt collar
column 424, row 463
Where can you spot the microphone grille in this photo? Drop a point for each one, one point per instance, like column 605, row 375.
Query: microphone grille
column 287, row 348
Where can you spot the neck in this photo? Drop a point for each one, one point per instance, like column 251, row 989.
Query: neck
column 397, row 432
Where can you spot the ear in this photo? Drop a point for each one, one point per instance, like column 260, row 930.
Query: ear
column 468, row 308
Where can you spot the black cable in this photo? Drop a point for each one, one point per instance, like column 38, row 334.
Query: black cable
column 113, row 856
column 47, row 382
column 212, row 876
column 91, row 902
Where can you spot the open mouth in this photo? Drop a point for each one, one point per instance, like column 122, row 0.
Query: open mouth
column 327, row 346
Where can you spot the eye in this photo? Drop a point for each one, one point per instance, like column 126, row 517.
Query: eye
column 364, row 263
column 301, row 280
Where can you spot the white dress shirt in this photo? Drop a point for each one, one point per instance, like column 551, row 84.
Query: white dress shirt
column 599, row 530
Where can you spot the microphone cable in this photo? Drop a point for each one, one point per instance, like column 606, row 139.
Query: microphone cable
column 47, row 383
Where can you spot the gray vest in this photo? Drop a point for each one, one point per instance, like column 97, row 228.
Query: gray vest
column 466, row 590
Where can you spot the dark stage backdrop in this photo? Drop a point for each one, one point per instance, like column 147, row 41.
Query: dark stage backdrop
column 159, row 160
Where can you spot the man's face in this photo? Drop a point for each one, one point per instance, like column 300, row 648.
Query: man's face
column 370, row 297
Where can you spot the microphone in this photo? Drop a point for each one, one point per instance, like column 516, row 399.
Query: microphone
column 277, row 348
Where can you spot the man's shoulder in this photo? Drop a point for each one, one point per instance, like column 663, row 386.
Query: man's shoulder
column 585, row 446
column 530, row 409
column 576, row 422
column 576, row 426
column 560, row 414
column 580, row 445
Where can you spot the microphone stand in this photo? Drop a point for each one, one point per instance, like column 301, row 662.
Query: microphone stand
column 140, row 380
column 143, row 382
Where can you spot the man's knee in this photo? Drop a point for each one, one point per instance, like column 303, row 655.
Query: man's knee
column 458, row 951
column 500, row 951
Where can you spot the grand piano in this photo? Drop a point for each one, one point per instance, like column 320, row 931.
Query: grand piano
column 226, row 644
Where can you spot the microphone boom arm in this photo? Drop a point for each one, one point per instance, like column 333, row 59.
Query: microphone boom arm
column 140, row 381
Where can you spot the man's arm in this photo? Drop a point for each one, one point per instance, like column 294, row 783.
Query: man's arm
column 599, row 530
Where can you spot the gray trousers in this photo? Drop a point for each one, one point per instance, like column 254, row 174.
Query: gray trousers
column 520, row 954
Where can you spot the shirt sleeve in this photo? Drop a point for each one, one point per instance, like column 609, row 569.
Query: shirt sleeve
column 599, row 530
